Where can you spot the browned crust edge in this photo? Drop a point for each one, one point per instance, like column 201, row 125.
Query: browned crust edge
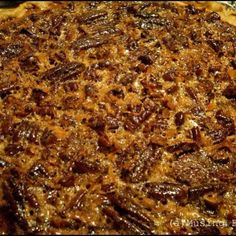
column 227, row 14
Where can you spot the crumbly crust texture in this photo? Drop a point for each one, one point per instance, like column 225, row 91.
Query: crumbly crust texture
column 118, row 118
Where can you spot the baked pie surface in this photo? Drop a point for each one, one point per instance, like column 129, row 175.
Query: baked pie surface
column 118, row 118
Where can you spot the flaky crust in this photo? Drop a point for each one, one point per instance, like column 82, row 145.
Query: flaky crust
column 228, row 14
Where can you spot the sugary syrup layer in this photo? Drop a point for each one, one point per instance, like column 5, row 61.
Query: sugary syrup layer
column 117, row 118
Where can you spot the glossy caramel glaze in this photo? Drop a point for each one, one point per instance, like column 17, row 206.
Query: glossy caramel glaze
column 117, row 118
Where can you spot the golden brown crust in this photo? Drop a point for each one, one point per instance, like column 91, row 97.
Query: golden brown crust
column 228, row 14
column 117, row 118
column 22, row 9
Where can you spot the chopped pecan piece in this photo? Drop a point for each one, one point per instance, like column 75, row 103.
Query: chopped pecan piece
column 86, row 43
column 183, row 148
column 230, row 92
column 179, row 118
column 63, row 72
column 164, row 191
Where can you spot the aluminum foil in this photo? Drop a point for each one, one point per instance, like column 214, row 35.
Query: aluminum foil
column 229, row 3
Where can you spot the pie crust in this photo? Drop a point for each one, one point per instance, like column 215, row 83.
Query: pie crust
column 118, row 120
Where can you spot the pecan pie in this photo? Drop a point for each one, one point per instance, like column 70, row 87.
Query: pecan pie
column 118, row 118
